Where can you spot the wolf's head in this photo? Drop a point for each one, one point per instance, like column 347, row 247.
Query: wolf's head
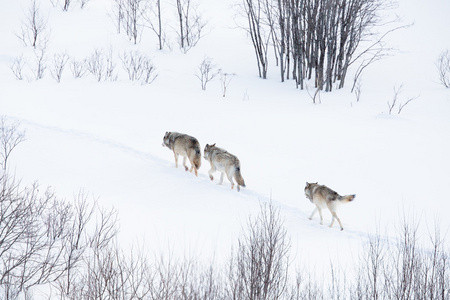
column 309, row 190
column 208, row 150
column 166, row 140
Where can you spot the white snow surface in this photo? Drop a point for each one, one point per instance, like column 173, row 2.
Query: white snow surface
column 105, row 137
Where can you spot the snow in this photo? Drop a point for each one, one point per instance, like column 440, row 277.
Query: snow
column 105, row 137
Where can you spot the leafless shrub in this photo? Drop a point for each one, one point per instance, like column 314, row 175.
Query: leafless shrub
column 34, row 28
column 358, row 89
column 391, row 105
column 138, row 66
column 225, row 79
column 316, row 97
column 10, row 138
column 40, row 63
column 101, row 65
column 83, row 3
column 54, row 3
column 17, row 67
column 95, row 64
column 110, row 66
column 33, row 236
column 78, row 68
column 206, row 72
column 59, row 63
column 259, row 267
column 443, row 67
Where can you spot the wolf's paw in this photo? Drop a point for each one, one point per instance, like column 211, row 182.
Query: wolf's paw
column 211, row 177
column 186, row 168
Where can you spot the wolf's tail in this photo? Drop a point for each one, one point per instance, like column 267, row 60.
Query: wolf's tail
column 197, row 160
column 347, row 198
column 238, row 177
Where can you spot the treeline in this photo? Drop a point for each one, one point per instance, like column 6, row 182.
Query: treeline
column 312, row 39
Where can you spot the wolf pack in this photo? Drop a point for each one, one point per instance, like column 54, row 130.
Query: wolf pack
column 228, row 164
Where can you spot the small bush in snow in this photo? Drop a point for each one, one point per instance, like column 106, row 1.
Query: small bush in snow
column 139, row 67
column 394, row 102
column 225, row 79
column 443, row 66
column 206, row 72
column 78, row 68
column 59, row 63
column 17, row 67
column 40, row 63
column 101, row 65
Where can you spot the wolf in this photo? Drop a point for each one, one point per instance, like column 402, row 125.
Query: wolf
column 186, row 146
column 224, row 162
column 322, row 196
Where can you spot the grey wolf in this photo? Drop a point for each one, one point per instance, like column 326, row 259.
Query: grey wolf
column 322, row 196
column 186, row 146
column 224, row 162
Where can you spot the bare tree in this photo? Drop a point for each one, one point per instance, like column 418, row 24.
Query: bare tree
column 191, row 24
column 443, row 67
column 34, row 30
column 130, row 16
column 206, row 72
column 66, row 5
column 259, row 33
column 153, row 17
column 119, row 13
column 320, row 38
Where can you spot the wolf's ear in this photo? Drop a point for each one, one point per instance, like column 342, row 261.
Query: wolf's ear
column 213, row 145
column 307, row 184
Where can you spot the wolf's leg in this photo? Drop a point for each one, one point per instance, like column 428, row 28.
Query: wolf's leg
column 230, row 178
column 321, row 217
column 176, row 159
column 184, row 163
column 332, row 220
column 221, row 178
column 212, row 170
column 313, row 213
column 337, row 218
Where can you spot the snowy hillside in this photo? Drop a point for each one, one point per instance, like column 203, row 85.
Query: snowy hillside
column 105, row 137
